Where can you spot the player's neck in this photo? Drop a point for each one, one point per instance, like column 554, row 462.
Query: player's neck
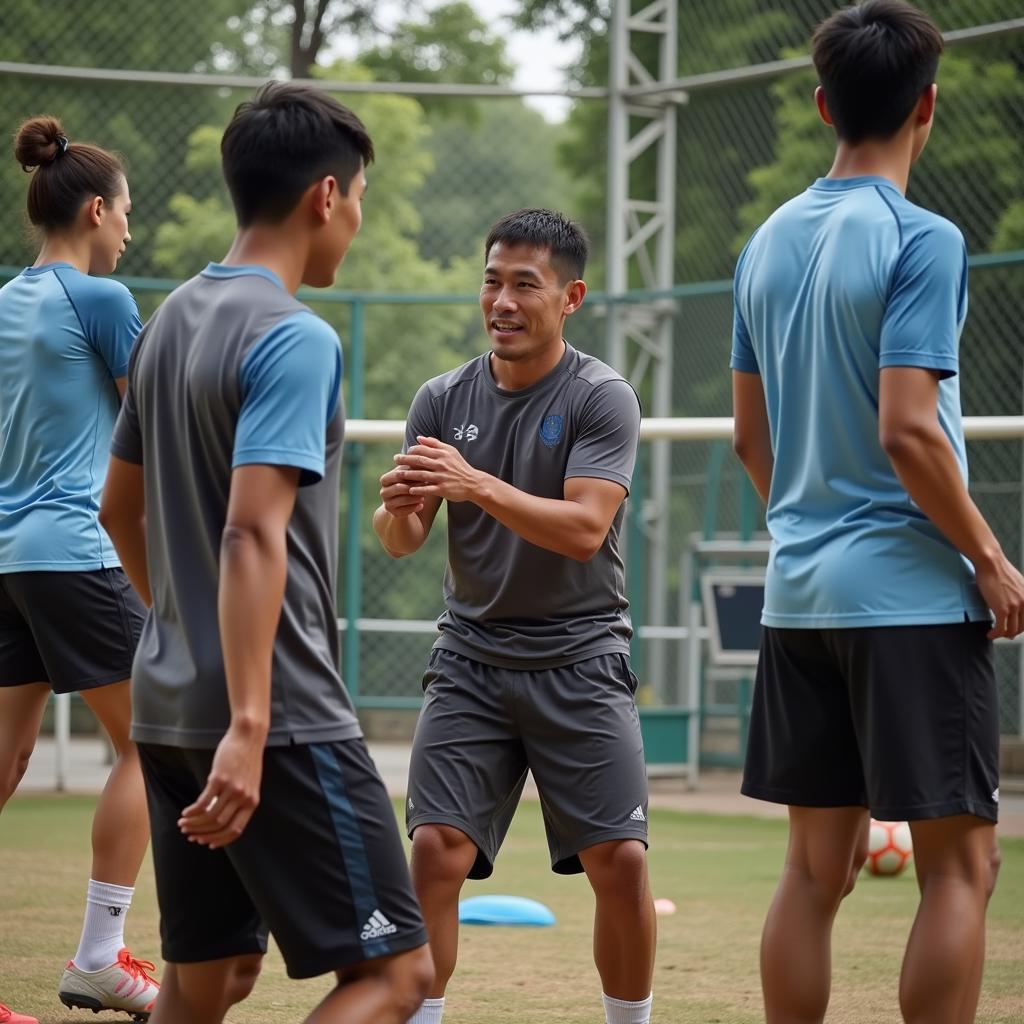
column 268, row 246
column 890, row 160
column 64, row 250
column 514, row 375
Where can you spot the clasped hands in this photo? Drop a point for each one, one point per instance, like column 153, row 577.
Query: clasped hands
column 430, row 468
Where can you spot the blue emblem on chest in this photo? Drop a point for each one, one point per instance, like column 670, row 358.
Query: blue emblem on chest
column 551, row 430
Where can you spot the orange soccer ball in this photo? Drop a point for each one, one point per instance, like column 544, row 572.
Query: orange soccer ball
column 889, row 847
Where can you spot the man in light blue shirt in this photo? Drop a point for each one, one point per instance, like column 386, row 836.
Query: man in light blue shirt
column 875, row 691
column 885, row 286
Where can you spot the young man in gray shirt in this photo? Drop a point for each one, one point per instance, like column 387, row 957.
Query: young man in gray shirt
column 532, row 445
column 222, row 501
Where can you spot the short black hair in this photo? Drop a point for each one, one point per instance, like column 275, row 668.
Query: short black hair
column 564, row 239
column 284, row 139
column 875, row 60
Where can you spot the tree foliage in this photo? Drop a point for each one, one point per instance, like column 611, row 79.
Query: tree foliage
column 973, row 185
column 450, row 44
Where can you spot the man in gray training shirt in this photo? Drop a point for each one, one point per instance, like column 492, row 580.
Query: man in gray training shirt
column 532, row 445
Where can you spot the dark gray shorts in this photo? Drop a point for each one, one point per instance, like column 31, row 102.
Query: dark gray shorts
column 575, row 727
column 73, row 630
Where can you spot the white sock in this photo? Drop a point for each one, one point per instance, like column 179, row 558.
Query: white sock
column 622, row 1011
column 429, row 1012
column 106, row 907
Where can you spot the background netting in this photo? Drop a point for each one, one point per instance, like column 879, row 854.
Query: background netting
column 448, row 167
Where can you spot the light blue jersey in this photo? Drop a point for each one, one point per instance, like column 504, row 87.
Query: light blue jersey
column 65, row 337
column 841, row 281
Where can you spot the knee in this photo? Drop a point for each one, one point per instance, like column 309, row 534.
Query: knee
column 859, row 859
column 442, row 853
column 242, row 980
column 15, row 773
column 851, row 879
column 833, row 882
column 126, row 753
column 991, row 874
column 972, row 860
column 404, row 979
column 411, row 977
column 616, row 867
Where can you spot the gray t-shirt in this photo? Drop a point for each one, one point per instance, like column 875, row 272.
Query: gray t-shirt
column 233, row 370
column 509, row 602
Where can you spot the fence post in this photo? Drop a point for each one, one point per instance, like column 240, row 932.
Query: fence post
column 716, row 463
column 354, row 486
column 62, row 739
column 636, row 568
column 748, row 507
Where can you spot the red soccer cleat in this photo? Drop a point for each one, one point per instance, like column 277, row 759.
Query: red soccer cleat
column 8, row 1016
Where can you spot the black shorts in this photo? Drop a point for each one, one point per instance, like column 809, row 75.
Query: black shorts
column 320, row 864
column 73, row 630
column 575, row 727
column 903, row 720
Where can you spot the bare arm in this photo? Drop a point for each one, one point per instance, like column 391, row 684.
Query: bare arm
column 751, row 437
column 403, row 521
column 574, row 525
column 924, row 461
column 123, row 516
column 121, row 383
column 253, row 570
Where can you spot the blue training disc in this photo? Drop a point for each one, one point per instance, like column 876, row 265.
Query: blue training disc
column 513, row 910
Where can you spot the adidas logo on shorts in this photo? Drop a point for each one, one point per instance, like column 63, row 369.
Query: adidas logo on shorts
column 377, row 927
column 638, row 814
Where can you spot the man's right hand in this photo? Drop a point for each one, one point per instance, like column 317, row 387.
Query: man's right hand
column 232, row 792
column 1002, row 587
column 395, row 496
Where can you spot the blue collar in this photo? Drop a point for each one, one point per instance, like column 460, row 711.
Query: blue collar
column 861, row 181
column 223, row 272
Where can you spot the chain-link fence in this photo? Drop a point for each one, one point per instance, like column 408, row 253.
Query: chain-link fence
column 448, row 166
column 745, row 146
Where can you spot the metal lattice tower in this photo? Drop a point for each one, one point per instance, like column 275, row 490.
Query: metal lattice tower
column 641, row 242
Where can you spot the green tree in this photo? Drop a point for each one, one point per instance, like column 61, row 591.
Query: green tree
column 727, row 132
column 269, row 35
column 1010, row 233
column 505, row 159
column 489, row 156
column 384, row 257
column 404, row 344
column 451, row 44
column 149, row 124
column 745, row 148
column 974, row 90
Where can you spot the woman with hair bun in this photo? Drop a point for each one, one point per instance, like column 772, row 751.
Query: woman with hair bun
column 69, row 620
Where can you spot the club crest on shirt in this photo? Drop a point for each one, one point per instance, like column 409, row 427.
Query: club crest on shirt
column 551, row 430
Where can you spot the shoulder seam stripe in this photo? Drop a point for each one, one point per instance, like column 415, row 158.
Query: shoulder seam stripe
column 96, row 417
column 892, row 210
column 454, row 384
column 78, row 316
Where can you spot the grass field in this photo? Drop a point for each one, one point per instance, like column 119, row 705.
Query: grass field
column 720, row 872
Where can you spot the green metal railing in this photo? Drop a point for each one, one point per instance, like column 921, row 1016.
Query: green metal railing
column 351, row 585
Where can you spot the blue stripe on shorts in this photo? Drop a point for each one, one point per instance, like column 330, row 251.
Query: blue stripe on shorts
column 350, row 839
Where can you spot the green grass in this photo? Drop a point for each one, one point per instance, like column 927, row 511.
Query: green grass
column 721, row 873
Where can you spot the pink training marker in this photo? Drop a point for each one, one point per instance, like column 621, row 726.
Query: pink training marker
column 664, row 907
